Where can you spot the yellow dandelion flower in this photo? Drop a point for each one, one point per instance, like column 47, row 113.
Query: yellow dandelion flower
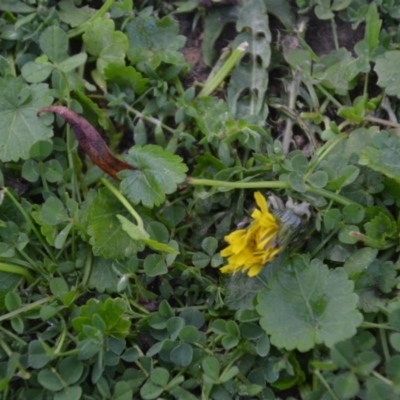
column 251, row 248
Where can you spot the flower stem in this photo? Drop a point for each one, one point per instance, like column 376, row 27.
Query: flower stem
column 15, row 269
column 269, row 185
column 124, row 201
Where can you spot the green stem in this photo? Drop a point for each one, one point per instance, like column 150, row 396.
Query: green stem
column 382, row 378
column 125, row 202
column 147, row 118
column 268, row 185
column 373, row 325
column 88, row 268
column 8, row 193
column 326, row 384
column 329, row 96
column 384, row 341
column 24, row 374
column 213, row 81
column 380, row 121
column 13, row 336
column 98, row 14
column 325, row 241
column 25, row 308
column 334, row 33
column 15, row 269
column 323, row 152
column 293, row 91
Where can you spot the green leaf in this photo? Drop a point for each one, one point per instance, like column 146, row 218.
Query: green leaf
column 50, row 380
column 336, row 71
column 58, row 287
column 108, row 238
column 211, row 367
column 137, row 233
column 318, row 179
column 103, row 277
column 297, row 182
column 383, row 155
column 373, row 27
column 21, row 128
column 386, row 67
column 35, row 72
column 69, row 393
column 249, row 80
column 53, row 212
column 149, row 391
column 38, row 355
column 353, row 214
column 160, row 376
column 154, row 265
column 12, row 301
column 158, row 173
column 111, row 311
column 182, row 355
column 72, row 15
column 106, row 44
column 346, row 385
column 154, row 41
column 73, row 62
column 54, row 43
column 318, row 304
column 70, row 369
column 126, row 76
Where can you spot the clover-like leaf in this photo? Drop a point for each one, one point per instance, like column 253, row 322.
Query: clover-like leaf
column 111, row 311
column 158, row 173
column 307, row 304
column 154, row 41
column 103, row 42
column 108, row 238
column 20, row 127
column 126, row 76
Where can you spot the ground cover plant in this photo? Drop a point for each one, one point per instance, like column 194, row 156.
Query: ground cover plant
column 200, row 199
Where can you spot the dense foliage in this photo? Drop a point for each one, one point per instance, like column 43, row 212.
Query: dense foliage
column 112, row 288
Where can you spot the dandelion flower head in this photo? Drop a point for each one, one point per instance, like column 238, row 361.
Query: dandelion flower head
column 251, row 248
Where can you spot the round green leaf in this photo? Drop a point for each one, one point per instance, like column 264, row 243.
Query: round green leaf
column 211, row 367
column 394, row 339
column 200, row 260
column 393, row 369
column 182, row 355
column 30, row 170
column 149, row 391
column 319, row 305
column 159, row 376
column 297, row 182
column 346, row 385
column 70, row 393
column 34, row 72
column 209, row 245
column 263, row 346
column 193, row 317
column 353, row 213
column 49, row 380
column 154, row 265
column 189, row 334
column 54, row 43
column 345, row 235
column 174, row 326
column 318, row 179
